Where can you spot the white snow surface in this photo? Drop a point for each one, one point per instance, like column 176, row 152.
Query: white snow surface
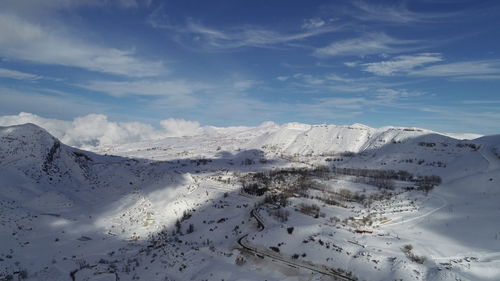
column 110, row 214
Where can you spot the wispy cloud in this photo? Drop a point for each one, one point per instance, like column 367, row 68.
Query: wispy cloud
column 243, row 85
column 328, row 108
column 374, row 43
column 387, row 94
column 14, row 100
column 483, row 102
column 331, row 83
column 310, row 79
column 479, row 69
column 400, row 64
column 351, row 63
column 141, row 87
column 335, row 77
column 418, row 65
column 450, row 118
column 36, row 8
column 14, row 74
column 390, row 12
column 250, row 36
column 233, row 37
column 176, row 93
column 23, row 40
column 314, row 23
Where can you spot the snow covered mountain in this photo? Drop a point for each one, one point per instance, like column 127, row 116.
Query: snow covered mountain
column 387, row 147
column 290, row 202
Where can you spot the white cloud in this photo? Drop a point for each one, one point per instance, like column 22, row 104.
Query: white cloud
column 386, row 94
column 14, row 74
column 96, row 131
column 480, row 69
column 54, row 126
column 400, row 64
column 249, row 36
column 237, row 36
column 485, row 102
column 338, row 108
column 143, row 87
column 335, row 77
column 351, row 63
column 33, row 8
column 345, row 103
column 47, row 102
column 398, row 13
column 332, row 83
column 282, row 78
column 417, row 65
column 175, row 93
column 23, row 40
column 181, row 127
column 313, row 23
column 243, row 85
column 374, row 43
column 309, row 79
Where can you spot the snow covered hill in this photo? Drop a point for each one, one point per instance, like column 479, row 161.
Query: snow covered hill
column 419, row 150
column 341, row 201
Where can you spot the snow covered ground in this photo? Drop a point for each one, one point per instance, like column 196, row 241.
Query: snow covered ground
column 176, row 209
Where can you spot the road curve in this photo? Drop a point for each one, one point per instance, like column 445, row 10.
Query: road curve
column 276, row 258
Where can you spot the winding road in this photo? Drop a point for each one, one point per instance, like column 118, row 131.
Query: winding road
column 279, row 259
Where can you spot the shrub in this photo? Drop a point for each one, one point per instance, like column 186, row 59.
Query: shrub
column 240, row 260
column 312, row 210
column 190, row 228
column 276, row 249
column 281, row 214
column 407, row 249
column 178, row 226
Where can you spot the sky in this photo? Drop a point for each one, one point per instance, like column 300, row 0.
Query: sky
column 151, row 63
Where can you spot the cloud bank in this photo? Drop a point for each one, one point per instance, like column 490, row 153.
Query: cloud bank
column 180, row 127
column 95, row 131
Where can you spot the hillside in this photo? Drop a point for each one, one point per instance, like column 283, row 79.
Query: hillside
column 290, row 202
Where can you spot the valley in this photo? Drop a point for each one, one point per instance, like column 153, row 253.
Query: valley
column 289, row 202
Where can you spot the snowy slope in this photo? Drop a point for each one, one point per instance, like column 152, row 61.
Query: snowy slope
column 419, row 150
column 294, row 138
column 69, row 214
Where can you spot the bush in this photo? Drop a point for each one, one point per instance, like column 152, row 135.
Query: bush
column 190, row 228
column 382, row 183
column 276, row 249
column 253, row 189
column 240, row 260
column 407, row 249
column 281, row 214
column 178, row 226
column 277, row 199
column 312, row 210
column 23, row 274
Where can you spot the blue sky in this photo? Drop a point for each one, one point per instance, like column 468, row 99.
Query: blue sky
column 432, row 64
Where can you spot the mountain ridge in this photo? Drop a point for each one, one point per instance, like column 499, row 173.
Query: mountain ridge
column 179, row 205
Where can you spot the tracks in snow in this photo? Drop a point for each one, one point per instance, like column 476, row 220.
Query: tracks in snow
column 279, row 259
